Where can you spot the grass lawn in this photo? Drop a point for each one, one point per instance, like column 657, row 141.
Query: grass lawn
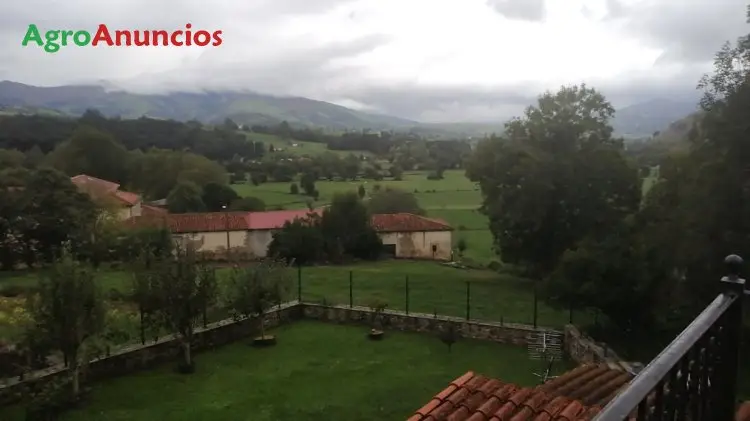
column 317, row 371
column 432, row 288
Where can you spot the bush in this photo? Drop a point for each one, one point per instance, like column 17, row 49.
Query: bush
column 11, row 291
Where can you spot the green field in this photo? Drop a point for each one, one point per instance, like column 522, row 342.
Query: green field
column 297, row 147
column 433, row 288
column 316, row 372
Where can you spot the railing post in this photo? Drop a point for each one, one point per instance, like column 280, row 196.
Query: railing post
column 468, row 300
column 351, row 290
column 299, row 283
column 536, row 309
column 727, row 393
column 406, row 293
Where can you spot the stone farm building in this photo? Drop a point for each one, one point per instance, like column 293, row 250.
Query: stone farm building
column 128, row 204
column 404, row 235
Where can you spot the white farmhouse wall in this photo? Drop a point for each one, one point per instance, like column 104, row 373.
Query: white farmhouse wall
column 214, row 241
column 130, row 211
column 258, row 241
column 418, row 245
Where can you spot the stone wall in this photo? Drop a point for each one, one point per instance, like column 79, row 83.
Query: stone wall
column 137, row 357
column 583, row 349
column 506, row 333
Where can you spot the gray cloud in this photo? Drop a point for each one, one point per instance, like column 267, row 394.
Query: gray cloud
column 530, row 10
column 687, row 31
column 254, row 57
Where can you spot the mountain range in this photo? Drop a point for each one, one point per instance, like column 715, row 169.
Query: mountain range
column 250, row 108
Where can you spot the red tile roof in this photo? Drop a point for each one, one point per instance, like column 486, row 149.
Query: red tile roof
column 407, row 222
column 276, row 219
column 86, row 182
column 127, row 197
column 99, row 188
column 577, row 395
column 743, row 413
column 195, row 222
column 152, row 210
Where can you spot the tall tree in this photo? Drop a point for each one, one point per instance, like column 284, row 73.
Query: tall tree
column 393, row 201
column 556, row 177
column 216, row 196
column 185, row 197
column 92, row 152
column 185, row 290
column 252, row 290
column 68, row 309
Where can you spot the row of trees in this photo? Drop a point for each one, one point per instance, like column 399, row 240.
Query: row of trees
column 221, row 143
column 564, row 203
column 173, row 292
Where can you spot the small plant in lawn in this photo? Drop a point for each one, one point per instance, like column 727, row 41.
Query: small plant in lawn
column 252, row 290
column 461, row 246
column 68, row 309
column 377, row 307
column 450, row 335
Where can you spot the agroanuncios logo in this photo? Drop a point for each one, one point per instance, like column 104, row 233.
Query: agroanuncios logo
column 53, row 40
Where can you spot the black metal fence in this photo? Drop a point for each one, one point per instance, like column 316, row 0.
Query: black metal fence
column 491, row 299
column 695, row 377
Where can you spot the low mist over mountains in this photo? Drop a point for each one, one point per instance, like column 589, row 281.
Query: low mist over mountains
column 637, row 120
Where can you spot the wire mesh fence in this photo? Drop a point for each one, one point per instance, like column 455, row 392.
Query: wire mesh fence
column 482, row 300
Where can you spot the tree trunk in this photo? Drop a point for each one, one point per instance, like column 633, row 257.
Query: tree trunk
column 186, row 351
column 75, row 373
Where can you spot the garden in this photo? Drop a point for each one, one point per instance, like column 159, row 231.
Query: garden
column 317, row 371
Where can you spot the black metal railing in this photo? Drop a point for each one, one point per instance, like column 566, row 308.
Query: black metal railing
column 695, row 377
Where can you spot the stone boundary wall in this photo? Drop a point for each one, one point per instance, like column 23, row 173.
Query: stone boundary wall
column 583, row 349
column 505, row 333
column 138, row 357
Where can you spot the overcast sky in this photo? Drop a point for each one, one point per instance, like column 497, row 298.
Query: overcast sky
column 432, row 60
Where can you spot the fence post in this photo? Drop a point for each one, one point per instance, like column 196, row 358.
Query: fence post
column 536, row 309
column 351, row 294
column 299, row 283
column 733, row 284
column 468, row 300
column 570, row 313
column 406, row 287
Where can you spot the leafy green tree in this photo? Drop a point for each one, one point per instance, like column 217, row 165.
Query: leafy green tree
column 252, row 290
column 248, row 204
column 461, row 245
column 68, row 309
column 299, row 241
column 34, row 157
column 393, row 201
column 361, row 192
column 346, row 229
column 92, row 152
column 216, row 196
column 185, row 197
column 185, row 289
column 11, row 158
column 557, row 177
column 396, row 172
column 307, row 182
column 52, row 212
column 293, row 189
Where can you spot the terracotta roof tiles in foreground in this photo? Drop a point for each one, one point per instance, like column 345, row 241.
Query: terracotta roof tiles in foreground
column 577, row 395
